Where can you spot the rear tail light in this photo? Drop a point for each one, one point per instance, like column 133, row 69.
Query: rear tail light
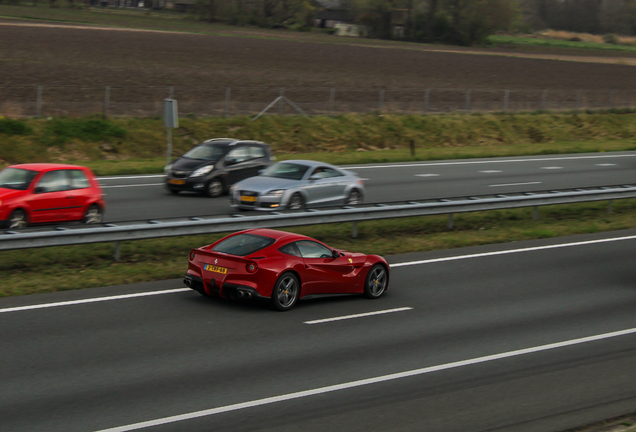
column 191, row 255
column 360, row 182
column 251, row 267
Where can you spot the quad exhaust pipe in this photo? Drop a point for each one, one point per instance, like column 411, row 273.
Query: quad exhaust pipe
column 243, row 294
column 187, row 282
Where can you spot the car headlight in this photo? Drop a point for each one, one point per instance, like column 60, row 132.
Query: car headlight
column 275, row 193
column 167, row 169
column 202, row 171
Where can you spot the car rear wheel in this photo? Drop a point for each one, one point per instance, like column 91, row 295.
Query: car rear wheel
column 214, row 188
column 174, row 191
column 286, row 292
column 354, row 197
column 18, row 219
column 376, row 282
column 296, row 202
column 93, row 215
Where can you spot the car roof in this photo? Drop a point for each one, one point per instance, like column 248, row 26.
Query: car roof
column 275, row 234
column 231, row 142
column 45, row 166
column 309, row 163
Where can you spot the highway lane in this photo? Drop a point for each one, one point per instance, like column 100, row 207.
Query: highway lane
column 144, row 197
column 99, row 365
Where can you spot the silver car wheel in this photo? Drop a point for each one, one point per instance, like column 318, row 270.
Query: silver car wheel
column 354, row 198
column 296, row 202
column 18, row 220
column 376, row 282
column 93, row 215
column 285, row 292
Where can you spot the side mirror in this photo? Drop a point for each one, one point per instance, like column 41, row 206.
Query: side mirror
column 230, row 161
column 335, row 254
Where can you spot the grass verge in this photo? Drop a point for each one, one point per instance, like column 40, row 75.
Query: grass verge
column 67, row 268
column 555, row 43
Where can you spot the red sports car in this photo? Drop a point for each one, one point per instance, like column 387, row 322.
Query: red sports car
column 282, row 267
column 46, row 193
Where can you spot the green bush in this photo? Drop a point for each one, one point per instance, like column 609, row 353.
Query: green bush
column 610, row 39
column 60, row 131
column 14, row 127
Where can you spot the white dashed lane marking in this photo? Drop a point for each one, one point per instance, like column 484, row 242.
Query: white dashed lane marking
column 513, row 184
column 606, row 164
column 345, row 317
column 552, row 168
column 426, row 175
column 490, row 171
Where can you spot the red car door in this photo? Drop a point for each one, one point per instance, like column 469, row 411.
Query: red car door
column 80, row 195
column 51, row 199
column 324, row 274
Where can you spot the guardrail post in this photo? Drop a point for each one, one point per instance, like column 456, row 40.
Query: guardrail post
column 609, row 206
column 106, row 101
column 506, row 99
column 226, row 113
column 535, row 213
column 117, row 251
column 427, row 99
column 450, row 221
column 354, row 231
column 332, row 98
column 38, row 102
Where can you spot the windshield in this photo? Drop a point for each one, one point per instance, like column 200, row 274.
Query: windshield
column 243, row 244
column 286, row 170
column 206, row 152
column 16, row 178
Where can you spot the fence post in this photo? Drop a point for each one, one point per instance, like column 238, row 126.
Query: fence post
column 171, row 93
column 612, row 98
column 226, row 114
column 544, row 100
column 579, row 102
column 506, row 99
column 38, row 102
column 332, row 97
column 450, row 221
column 609, row 206
column 354, row 230
column 535, row 213
column 427, row 100
column 117, row 251
column 467, row 100
column 281, row 101
column 381, row 99
column 106, row 101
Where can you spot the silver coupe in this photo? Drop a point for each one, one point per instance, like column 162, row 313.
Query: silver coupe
column 296, row 184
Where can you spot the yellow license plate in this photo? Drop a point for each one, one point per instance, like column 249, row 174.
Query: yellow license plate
column 176, row 181
column 216, row 269
column 248, row 198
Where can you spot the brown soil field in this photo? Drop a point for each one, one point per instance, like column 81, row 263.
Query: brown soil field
column 74, row 56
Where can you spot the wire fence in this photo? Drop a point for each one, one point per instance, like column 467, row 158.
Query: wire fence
column 42, row 101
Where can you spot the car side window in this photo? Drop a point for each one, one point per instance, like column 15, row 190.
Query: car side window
column 290, row 249
column 239, row 154
column 257, row 152
column 78, row 180
column 311, row 249
column 330, row 172
column 54, row 181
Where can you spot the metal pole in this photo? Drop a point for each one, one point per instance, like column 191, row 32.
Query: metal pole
column 171, row 93
column 535, row 213
column 381, row 99
column 427, row 99
column 579, row 96
column 450, row 221
column 38, row 102
column 169, row 151
column 468, row 100
column 106, row 101
column 281, row 103
column 506, row 100
column 612, row 98
column 227, row 101
column 332, row 98
column 117, row 251
column 544, row 100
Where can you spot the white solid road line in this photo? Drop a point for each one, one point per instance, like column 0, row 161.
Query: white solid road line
column 93, row 300
column 551, row 168
column 513, row 184
column 368, row 381
column 132, row 177
column 131, row 185
column 486, row 161
column 530, row 249
column 340, row 318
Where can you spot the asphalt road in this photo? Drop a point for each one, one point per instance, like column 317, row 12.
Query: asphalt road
column 463, row 315
column 144, row 197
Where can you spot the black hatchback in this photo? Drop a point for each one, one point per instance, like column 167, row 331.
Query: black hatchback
column 215, row 165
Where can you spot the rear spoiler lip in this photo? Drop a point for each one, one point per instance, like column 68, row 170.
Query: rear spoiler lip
column 221, row 255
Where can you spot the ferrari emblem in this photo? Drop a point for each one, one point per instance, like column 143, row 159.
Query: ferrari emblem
column 216, row 261
column 350, row 260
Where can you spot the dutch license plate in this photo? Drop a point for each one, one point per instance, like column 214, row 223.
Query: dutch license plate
column 248, row 198
column 176, row 181
column 216, row 269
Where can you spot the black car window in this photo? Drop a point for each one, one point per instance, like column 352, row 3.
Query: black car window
column 286, row 170
column 290, row 249
column 257, row 152
column 239, row 154
column 78, row 180
column 311, row 249
column 325, row 172
column 54, row 181
column 206, row 152
column 16, row 178
column 243, row 244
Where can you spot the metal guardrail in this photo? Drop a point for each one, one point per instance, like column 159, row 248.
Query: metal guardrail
column 116, row 233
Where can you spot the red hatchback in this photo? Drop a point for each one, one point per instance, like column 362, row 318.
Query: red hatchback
column 282, row 268
column 47, row 193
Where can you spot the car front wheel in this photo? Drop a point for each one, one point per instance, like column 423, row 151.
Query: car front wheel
column 214, row 188
column 93, row 215
column 18, row 219
column 354, row 198
column 296, row 202
column 286, row 292
column 377, row 281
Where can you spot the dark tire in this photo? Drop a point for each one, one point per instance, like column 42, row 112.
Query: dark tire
column 286, row 292
column 296, row 202
column 174, row 191
column 354, row 198
column 214, row 188
column 93, row 215
column 18, row 219
column 376, row 283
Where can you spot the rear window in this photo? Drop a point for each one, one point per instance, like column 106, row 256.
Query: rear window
column 243, row 244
